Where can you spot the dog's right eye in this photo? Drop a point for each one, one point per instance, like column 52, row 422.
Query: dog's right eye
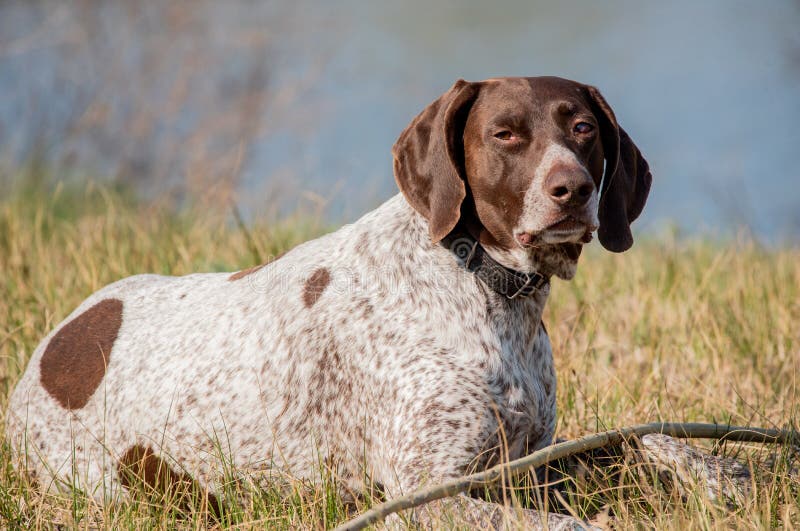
column 504, row 135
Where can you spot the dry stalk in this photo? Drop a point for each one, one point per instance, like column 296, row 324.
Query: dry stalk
column 562, row 450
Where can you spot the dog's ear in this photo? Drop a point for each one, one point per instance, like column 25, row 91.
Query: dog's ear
column 429, row 159
column 626, row 182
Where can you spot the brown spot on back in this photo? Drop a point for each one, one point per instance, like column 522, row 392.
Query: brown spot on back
column 140, row 467
column 250, row 270
column 244, row 272
column 75, row 360
column 315, row 285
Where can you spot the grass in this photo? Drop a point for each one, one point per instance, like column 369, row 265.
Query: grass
column 675, row 330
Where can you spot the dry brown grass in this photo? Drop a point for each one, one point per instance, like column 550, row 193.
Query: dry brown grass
column 676, row 330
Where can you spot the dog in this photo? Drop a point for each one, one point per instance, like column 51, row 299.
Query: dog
column 405, row 348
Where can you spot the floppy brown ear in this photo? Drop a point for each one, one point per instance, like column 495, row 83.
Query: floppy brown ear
column 626, row 182
column 429, row 159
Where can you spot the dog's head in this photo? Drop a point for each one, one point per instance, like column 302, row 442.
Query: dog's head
column 520, row 162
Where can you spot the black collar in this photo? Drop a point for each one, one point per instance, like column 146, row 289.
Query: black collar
column 471, row 254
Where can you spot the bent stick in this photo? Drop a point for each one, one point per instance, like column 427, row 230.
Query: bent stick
column 565, row 449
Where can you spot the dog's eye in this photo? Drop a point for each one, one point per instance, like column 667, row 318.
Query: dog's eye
column 583, row 128
column 504, row 135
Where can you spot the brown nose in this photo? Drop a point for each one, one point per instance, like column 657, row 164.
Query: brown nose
column 569, row 188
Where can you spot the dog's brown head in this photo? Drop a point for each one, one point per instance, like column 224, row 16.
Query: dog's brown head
column 520, row 162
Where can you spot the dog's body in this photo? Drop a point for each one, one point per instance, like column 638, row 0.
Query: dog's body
column 372, row 349
column 283, row 368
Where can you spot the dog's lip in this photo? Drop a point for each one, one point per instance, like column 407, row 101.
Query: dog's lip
column 570, row 224
column 567, row 223
column 566, row 226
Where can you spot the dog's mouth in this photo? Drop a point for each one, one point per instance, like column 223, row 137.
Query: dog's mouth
column 566, row 224
column 569, row 224
column 566, row 229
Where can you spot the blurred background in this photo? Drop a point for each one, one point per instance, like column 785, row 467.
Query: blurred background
column 266, row 108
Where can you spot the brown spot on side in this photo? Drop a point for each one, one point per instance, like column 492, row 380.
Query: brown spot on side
column 250, row 270
column 140, row 467
column 75, row 360
column 315, row 285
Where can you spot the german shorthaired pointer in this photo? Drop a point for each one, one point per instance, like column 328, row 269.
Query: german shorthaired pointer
column 404, row 348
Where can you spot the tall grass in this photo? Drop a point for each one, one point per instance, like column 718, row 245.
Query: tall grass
column 676, row 329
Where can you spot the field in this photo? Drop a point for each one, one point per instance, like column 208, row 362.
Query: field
column 677, row 329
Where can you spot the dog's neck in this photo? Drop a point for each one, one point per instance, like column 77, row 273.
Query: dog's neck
column 409, row 230
column 510, row 283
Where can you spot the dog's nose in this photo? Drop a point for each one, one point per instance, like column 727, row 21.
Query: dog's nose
column 569, row 188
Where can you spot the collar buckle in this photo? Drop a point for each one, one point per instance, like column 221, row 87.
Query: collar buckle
column 532, row 283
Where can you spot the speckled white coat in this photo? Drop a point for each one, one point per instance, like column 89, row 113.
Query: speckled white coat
column 399, row 369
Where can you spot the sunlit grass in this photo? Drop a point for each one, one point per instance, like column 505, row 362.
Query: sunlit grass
column 674, row 330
